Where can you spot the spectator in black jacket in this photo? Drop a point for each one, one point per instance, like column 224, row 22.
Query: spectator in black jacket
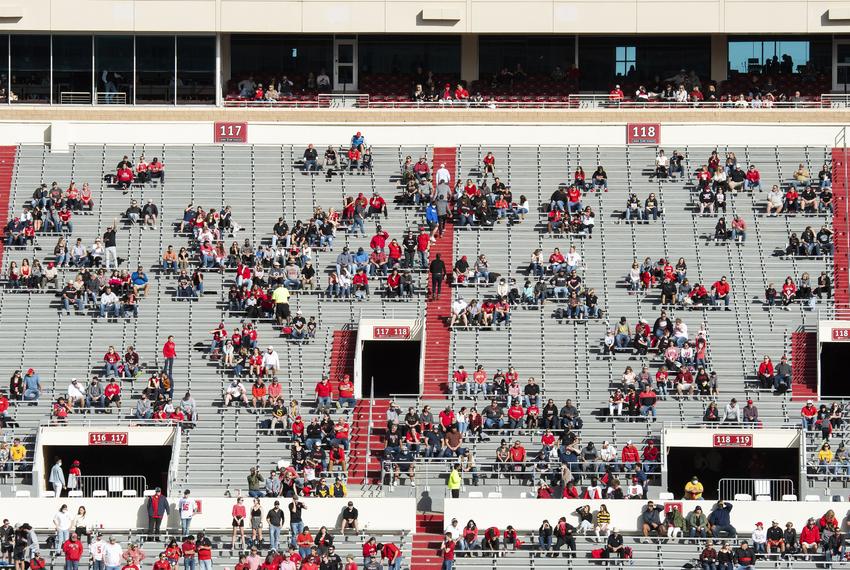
column 310, row 159
column 745, row 557
column 615, row 544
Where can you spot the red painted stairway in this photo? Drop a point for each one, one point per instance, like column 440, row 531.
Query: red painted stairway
column 841, row 229
column 804, row 362
column 342, row 354
column 437, row 334
column 426, row 542
column 363, row 470
column 7, row 168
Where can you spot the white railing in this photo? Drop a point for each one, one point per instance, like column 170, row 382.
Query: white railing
column 111, row 485
column 575, row 101
column 728, row 489
column 75, row 98
column 115, row 98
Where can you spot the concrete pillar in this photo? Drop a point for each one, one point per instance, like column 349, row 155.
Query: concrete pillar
column 719, row 57
column 223, row 62
column 469, row 57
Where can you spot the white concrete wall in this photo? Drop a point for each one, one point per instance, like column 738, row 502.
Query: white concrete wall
column 762, row 438
column 79, row 435
column 405, row 16
column 378, row 514
column 527, row 514
column 607, row 134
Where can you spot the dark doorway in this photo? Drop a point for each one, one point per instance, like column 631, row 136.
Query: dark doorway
column 833, row 369
column 711, row 465
column 394, row 364
column 150, row 461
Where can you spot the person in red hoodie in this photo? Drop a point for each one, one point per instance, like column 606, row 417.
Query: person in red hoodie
column 125, row 178
column 650, row 456
column 73, row 550
column 377, row 205
column 491, row 539
column 112, row 394
column 810, row 538
column 630, row 456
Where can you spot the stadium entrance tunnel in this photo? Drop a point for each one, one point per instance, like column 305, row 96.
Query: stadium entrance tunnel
column 112, row 458
column 753, row 461
column 393, row 365
column 834, row 357
column 113, row 468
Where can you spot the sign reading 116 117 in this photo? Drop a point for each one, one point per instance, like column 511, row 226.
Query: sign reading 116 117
column 231, row 132
column 643, row 133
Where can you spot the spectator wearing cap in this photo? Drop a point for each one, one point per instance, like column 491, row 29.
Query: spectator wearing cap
column 73, row 551
column 97, row 550
column 697, row 523
column 112, row 554
column 275, row 518
column 134, row 554
column 32, row 385
column 157, row 508
column 759, row 537
column 775, row 539
column 349, row 518
column 810, row 538
column 808, row 415
column 782, row 375
column 750, row 415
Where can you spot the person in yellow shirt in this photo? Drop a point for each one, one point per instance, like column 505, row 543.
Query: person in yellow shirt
column 17, row 452
column 825, row 457
column 693, row 489
column 453, row 483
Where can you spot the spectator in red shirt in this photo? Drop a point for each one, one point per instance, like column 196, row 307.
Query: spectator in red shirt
column 616, row 94
column 73, row 550
column 448, row 551
column 765, row 373
column 461, row 94
column 809, row 416
column 112, row 393
column 370, row 549
column 346, row 392
column 721, row 292
column 169, row 353
column 423, row 243
column 324, row 394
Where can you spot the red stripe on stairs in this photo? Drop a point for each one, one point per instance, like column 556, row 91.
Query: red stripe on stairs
column 804, row 361
column 427, row 540
column 841, row 229
column 364, row 458
column 437, row 334
column 7, row 167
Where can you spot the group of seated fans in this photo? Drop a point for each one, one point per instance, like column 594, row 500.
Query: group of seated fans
column 722, row 546
column 357, row 159
column 675, row 288
column 802, row 290
column 143, row 172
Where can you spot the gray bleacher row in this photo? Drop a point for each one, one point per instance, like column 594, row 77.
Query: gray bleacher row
column 261, row 184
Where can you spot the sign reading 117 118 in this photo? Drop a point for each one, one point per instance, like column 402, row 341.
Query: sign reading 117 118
column 643, row 133
column 231, row 132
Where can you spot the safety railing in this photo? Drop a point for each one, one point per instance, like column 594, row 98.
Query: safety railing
column 75, row 97
column 111, row 485
column 574, row 101
column 110, row 98
column 732, row 489
column 428, row 469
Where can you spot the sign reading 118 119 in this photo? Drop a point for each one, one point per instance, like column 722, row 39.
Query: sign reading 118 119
column 643, row 133
column 231, row 132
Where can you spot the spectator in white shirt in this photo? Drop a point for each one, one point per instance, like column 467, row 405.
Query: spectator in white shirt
column 62, row 525
column 112, row 555
column 271, row 361
column 454, row 530
column 76, row 393
column 573, row 259
column 97, row 550
column 109, row 303
column 732, row 412
column 235, row 391
column 443, row 175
